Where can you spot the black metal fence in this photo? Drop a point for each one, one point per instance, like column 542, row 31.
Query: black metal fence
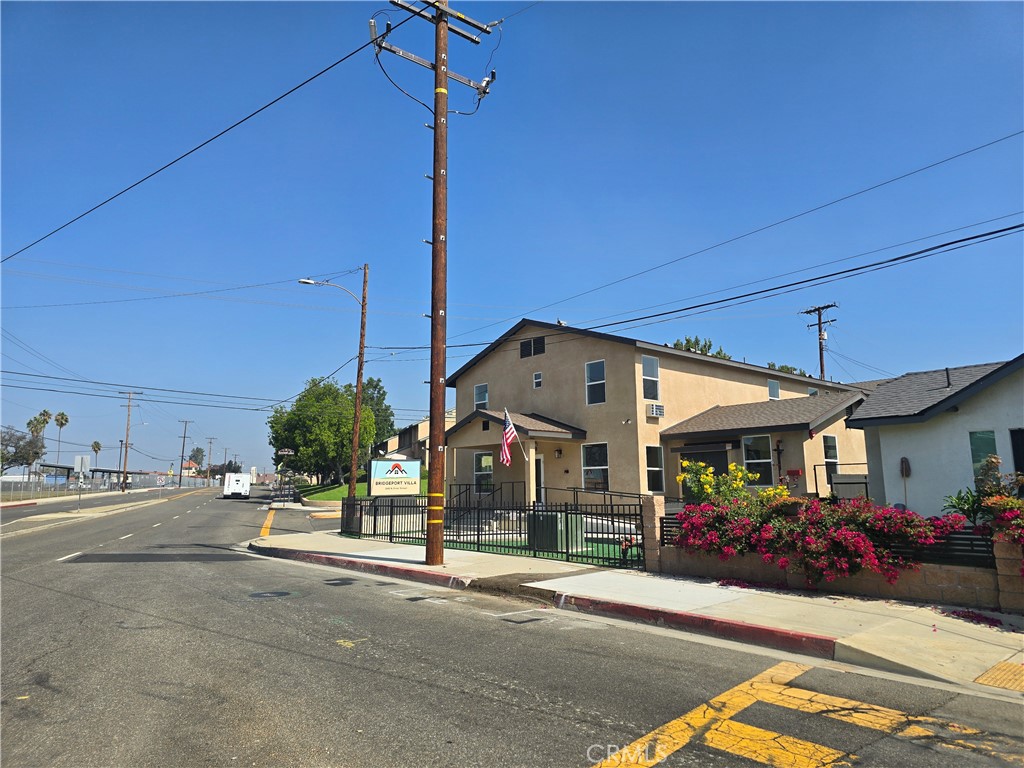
column 598, row 534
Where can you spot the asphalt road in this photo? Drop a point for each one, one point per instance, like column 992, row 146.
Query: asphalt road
column 149, row 637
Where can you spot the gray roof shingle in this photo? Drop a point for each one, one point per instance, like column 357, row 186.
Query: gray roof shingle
column 789, row 414
column 917, row 396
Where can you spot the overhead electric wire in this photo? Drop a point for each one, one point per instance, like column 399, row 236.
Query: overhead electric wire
column 231, row 127
column 222, row 406
column 138, row 386
column 758, row 230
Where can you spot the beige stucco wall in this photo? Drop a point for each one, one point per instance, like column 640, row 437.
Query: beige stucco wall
column 689, row 384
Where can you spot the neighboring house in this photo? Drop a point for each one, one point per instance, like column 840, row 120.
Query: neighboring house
column 608, row 413
column 927, row 433
column 411, row 442
column 189, row 469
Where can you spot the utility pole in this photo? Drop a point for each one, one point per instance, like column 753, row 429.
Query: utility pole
column 181, row 474
column 822, row 335
column 209, row 458
column 127, row 431
column 438, row 242
column 354, row 468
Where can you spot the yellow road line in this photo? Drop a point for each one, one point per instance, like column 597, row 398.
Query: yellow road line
column 265, row 530
column 771, row 748
column 673, row 736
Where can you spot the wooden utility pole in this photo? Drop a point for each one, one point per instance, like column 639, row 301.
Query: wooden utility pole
column 127, row 432
column 439, row 244
column 354, row 468
column 822, row 336
column 184, row 433
column 209, row 458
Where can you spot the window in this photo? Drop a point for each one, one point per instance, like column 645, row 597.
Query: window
column 983, row 445
column 480, row 396
column 773, row 389
column 485, row 426
column 757, row 458
column 538, row 379
column 595, row 382
column 831, row 456
column 1017, row 449
column 531, row 347
column 812, row 391
column 483, row 472
column 595, row 467
column 650, row 366
column 655, row 469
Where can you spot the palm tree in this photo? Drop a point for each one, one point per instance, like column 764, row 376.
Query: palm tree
column 61, row 420
column 96, row 448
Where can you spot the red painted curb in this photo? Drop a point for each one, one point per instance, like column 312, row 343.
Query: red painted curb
column 819, row 646
column 19, row 504
column 367, row 566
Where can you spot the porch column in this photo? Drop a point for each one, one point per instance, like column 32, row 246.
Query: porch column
column 531, row 471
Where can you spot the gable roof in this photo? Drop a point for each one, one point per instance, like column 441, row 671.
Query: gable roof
column 526, row 424
column 917, row 397
column 560, row 329
column 788, row 415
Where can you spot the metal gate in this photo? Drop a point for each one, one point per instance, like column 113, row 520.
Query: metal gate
column 610, row 535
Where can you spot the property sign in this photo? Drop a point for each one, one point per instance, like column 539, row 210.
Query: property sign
column 391, row 477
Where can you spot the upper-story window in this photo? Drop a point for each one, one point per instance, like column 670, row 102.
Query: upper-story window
column 531, row 347
column 595, row 382
column 651, row 370
column 538, row 380
column 773, row 389
column 480, row 396
column 812, row 391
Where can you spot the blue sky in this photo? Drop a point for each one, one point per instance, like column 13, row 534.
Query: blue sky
column 618, row 137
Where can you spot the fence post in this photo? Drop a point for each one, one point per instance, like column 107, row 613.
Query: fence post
column 652, row 510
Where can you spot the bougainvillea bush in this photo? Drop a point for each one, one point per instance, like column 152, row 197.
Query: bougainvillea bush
column 826, row 541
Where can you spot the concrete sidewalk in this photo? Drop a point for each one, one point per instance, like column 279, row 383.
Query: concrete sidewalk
column 908, row 638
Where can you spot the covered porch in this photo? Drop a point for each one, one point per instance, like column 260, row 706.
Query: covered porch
column 545, row 457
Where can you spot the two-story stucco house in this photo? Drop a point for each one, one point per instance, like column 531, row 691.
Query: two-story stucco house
column 612, row 414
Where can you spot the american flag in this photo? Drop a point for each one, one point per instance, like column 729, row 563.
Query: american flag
column 508, row 434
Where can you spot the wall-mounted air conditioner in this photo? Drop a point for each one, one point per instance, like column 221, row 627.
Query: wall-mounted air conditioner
column 656, row 410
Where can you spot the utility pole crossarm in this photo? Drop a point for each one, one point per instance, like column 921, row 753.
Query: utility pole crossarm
column 822, row 336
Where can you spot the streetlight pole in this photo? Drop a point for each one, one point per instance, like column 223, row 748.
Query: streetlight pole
column 353, row 470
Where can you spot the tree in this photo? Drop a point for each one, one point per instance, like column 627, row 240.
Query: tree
column 788, row 369
column 196, row 456
column 318, row 428
column 61, row 420
column 19, row 449
column 702, row 346
column 37, row 424
column 96, row 448
column 375, row 400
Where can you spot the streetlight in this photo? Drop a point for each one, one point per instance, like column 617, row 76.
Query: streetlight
column 359, row 372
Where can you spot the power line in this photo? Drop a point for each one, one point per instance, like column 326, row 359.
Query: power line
column 760, row 229
column 231, row 127
column 156, row 389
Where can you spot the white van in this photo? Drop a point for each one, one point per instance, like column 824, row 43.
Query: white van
column 236, row 485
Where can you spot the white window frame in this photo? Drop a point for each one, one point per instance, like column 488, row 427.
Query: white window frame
column 479, row 404
column 834, row 463
column 595, row 467
column 603, row 382
column 658, row 470
column 479, row 474
column 656, row 378
column 778, row 389
column 757, row 465
column 538, row 380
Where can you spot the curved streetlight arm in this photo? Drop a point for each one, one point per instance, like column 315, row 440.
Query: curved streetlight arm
column 310, row 281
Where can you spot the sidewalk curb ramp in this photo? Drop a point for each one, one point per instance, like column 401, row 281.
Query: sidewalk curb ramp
column 818, row 646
